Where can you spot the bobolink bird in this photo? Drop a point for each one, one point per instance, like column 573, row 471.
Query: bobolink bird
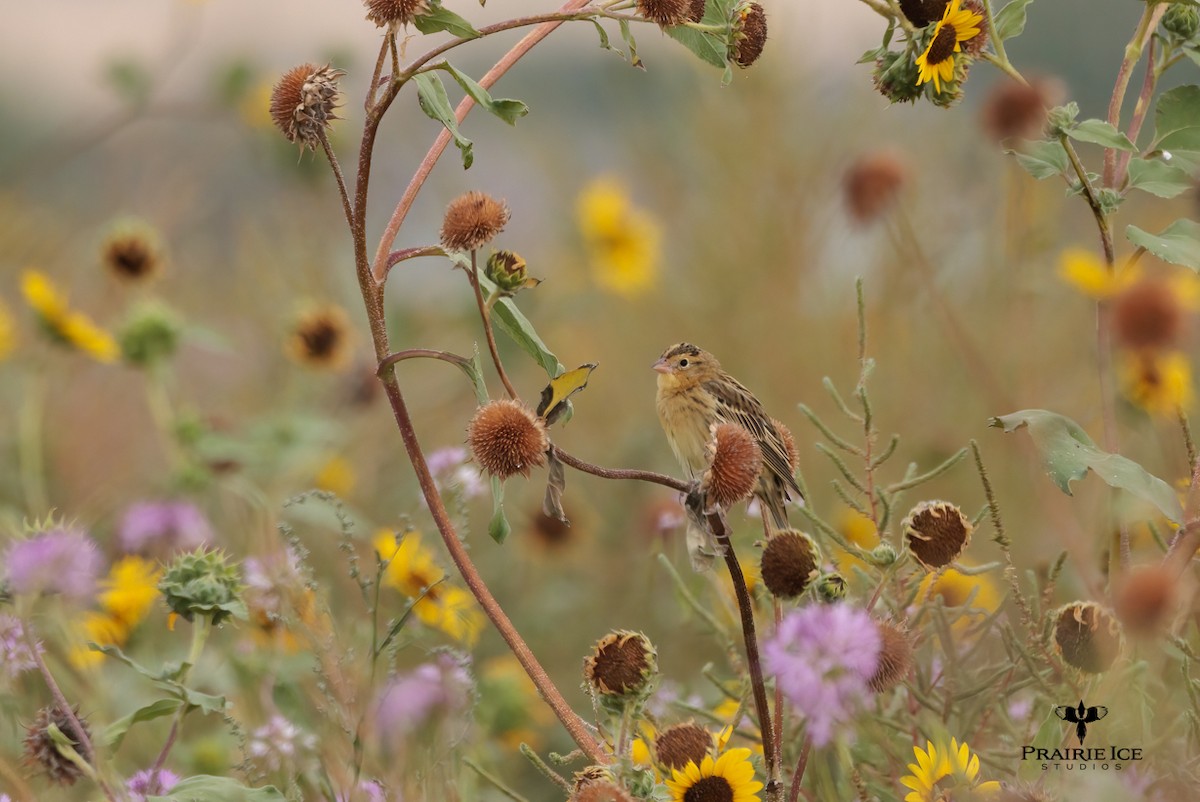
column 694, row 394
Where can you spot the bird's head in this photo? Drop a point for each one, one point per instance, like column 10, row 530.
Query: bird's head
column 684, row 365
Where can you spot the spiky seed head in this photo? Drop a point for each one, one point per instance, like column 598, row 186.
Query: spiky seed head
column 206, row 583
column 41, row 750
column 895, row 656
column 132, row 251
column 936, row 533
column 735, row 461
column 665, row 12
column 872, row 183
column 621, row 665
column 789, row 563
column 922, row 12
column 507, row 438
column 1014, row 110
column 1087, row 636
column 676, row 746
column 303, row 103
column 1146, row 599
column 974, row 46
column 749, row 34
column 696, row 9
column 473, row 220
column 394, row 13
column 1148, row 316
column 601, row 791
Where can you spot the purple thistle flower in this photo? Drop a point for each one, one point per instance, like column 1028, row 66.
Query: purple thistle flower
column 61, row 560
column 151, row 783
column 439, row 687
column 279, row 743
column 15, row 655
column 822, row 657
column 164, row 527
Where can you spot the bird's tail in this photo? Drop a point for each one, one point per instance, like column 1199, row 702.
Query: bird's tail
column 773, row 499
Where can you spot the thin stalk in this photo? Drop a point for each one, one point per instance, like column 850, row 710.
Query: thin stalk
column 337, row 174
column 620, row 473
column 487, row 327
column 798, row 774
column 420, row 353
column 201, row 628
column 1145, row 97
column 1133, row 53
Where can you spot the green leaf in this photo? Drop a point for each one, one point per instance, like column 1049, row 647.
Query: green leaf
column 206, row 702
column 205, row 788
column 498, row 527
column 508, row 110
column 1044, row 158
column 708, row 47
column 1068, row 454
column 474, row 371
column 631, row 43
column 604, row 42
column 165, row 679
column 1179, row 243
column 1098, row 132
column 436, row 104
column 114, row 733
column 1158, row 177
column 509, row 319
column 1010, row 22
column 441, row 19
column 1177, row 119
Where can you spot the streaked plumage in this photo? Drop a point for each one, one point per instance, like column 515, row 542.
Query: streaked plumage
column 694, row 393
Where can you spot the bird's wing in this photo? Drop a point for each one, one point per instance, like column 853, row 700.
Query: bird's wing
column 1065, row 713
column 1096, row 713
column 736, row 404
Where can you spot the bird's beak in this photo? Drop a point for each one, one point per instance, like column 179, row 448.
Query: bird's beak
column 662, row 366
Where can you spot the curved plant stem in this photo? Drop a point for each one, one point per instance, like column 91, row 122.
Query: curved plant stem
column 485, row 315
column 420, row 353
column 620, row 473
column 1149, row 82
column 1133, row 53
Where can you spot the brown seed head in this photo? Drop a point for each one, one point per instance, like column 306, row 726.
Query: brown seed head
column 472, row 220
column 789, row 444
column 665, row 12
column 936, row 532
column 872, row 183
column 601, row 791
column 394, row 12
column 1148, row 316
column 749, row 34
column 1014, row 110
column 735, row 462
column 975, row 45
column 922, row 12
column 303, row 103
column 132, row 252
column 41, row 752
column 895, row 656
column 507, row 438
column 621, row 664
column 789, row 563
column 320, row 337
column 696, row 9
column 677, row 745
column 1087, row 636
column 1146, row 599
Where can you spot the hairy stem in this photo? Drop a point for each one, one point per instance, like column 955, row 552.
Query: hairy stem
column 1149, row 82
column 1133, row 53
column 420, row 353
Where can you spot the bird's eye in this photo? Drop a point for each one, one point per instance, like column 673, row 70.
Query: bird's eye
column 683, row 363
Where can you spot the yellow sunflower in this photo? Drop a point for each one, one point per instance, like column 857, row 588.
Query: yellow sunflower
column 955, row 588
column 1086, row 272
column 623, row 241
column 937, row 764
column 956, row 26
column 130, row 590
column 63, row 324
column 730, row 777
column 1161, row 384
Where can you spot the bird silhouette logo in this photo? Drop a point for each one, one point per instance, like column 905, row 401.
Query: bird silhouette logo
column 1081, row 716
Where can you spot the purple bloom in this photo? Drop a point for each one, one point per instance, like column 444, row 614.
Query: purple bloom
column 439, row 687
column 164, row 526
column 58, row 561
column 372, row 790
column 151, row 783
column 822, row 657
column 450, row 468
column 445, row 460
column 15, row 655
column 279, row 743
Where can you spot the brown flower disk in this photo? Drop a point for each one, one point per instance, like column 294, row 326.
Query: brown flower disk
column 132, row 253
column 321, row 337
column 895, row 656
column 665, row 12
column 304, row 101
column 506, row 438
column 789, row 563
column 736, row 463
column 936, row 532
column 621, row 663
column 1147, row 315
column 472, row 220
column 601, row 791
column 750, row 36
column 872, row 183
column 394, row 12
column 922, row 12
column 677, row 745
column 1146, row 599
column 41, row 752
column 1087, row 636
column 1017, row 111
column 696, row 10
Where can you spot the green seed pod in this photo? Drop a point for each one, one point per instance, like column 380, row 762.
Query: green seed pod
column 831, row 587
column 1181, row 20
column 507, row 270
column 203, row 583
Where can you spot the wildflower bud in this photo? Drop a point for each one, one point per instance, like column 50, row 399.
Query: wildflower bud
column 394, row 13
column 472, row 220
column 831, row 587
column 203, row 583
column 872, row 183
column 132, row 251
column 150, row 335
column 936, row 532
column 895, row 656
column 951, row 93
column 749, row 34
column 1061, row 118
column 922, row 12
column 734, row 466
column 506, row 438
column 1146, row 599
column 1087, row 636
column 665, row 12
column 320, row 337
column 601, row 791
column 789, row 444
column 507, row 270
column 883, row 555
column 1014, row 110
column 621, row 666
column 589, row 775
column 303, row 103
column 1181, row 20
column 1148, row 315
column 895, row 77
column 696, row 9
column 47, row 739
column 789, row 563
column 676, row 746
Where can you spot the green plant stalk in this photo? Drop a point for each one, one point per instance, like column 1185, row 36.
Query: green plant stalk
column 201, row 628
column 1001, row 59
column 1133, row 53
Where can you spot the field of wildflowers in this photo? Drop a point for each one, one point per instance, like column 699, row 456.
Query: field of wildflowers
column 332, row 469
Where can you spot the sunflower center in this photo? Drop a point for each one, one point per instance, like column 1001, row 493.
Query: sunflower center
column 321, row 339
column 710, row 789
column 942, row 46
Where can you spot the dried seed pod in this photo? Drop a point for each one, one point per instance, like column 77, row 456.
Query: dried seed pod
column 937, row 532
column 895, row 656
column 789, row 563
column 473, row 220
column 1087, row 636
column 676, row 746
column 507, row 438
column 734, row 467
